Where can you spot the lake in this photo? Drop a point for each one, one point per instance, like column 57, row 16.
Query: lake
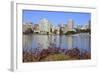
column 35, row 41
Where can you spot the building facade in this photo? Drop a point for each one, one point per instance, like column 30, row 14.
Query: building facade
column 70, row 25
column 36, row 28
column 44, row 26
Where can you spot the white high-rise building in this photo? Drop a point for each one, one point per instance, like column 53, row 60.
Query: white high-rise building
column 70, row 25
column 44, row 26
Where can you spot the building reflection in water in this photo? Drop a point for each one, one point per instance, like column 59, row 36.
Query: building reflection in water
column 32, row 42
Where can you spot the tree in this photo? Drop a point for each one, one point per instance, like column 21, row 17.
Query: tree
column 70, row 32
column 61, row 31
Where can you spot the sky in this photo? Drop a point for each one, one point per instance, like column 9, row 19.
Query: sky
column 54, row 17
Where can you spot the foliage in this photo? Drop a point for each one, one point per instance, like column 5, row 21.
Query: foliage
column 83, row 30
column 28, row 31
column 55, row 55
column 70, row 32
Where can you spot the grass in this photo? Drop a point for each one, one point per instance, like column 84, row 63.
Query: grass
column 57, row 57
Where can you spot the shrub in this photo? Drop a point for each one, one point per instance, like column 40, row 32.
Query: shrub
column 28, row 31
column 74, row 53
column 70, row 32
column 85, row 55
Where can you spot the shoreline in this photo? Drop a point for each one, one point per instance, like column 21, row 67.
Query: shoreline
column 62, row 34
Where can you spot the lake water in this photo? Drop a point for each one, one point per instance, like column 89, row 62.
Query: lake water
column 81, row 41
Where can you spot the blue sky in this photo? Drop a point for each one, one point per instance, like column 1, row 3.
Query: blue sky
column 55, row 18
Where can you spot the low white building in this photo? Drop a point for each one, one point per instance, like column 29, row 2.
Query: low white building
column 26, row 26
column 57, row 30
column 36, row 28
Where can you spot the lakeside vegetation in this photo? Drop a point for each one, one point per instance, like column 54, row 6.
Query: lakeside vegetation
column 78, row 31
column 55, row 54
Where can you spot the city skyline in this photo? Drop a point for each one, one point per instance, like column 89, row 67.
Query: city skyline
column 55, row 18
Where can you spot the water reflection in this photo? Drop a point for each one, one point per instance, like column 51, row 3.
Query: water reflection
column 32, row 42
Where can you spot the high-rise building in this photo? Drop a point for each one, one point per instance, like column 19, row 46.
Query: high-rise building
column 87, row 25
column 70, row 25
column 44, row 26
